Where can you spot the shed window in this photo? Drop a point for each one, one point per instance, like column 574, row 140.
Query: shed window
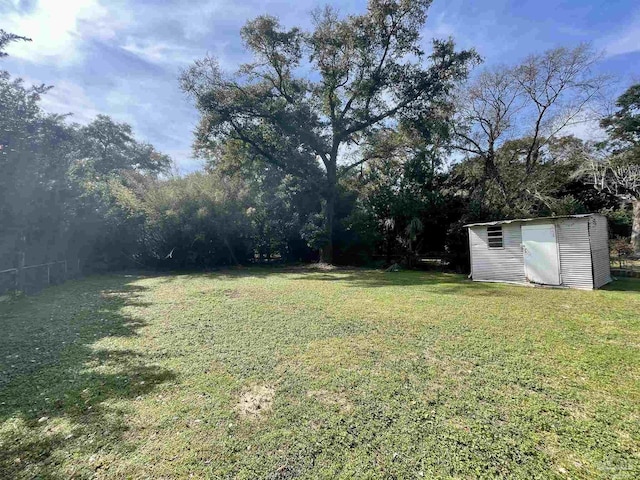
column 494, row 234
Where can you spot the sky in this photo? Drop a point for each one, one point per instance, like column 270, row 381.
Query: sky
column 123, row 57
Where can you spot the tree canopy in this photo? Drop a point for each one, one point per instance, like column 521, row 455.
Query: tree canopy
column 354, row 141
column 308, row 95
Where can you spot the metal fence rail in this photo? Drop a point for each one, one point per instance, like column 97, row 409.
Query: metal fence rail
column 32, row 278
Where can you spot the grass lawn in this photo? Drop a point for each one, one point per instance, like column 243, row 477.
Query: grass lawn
column 299, row 374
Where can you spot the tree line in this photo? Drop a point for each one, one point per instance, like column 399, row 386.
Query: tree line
column 352, row 142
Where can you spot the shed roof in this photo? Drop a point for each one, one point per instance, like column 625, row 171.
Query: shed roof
column 519, row 220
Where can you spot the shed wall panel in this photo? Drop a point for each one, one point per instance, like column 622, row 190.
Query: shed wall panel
column 599, row 239
column 575, row 253
column 583, row 251
column 498, row 264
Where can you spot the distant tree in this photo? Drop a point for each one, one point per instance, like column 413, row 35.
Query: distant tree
column 106, row 147
column 60, row 184
column 519, row 111
column 33, row 173
column 542, row 187
column 309, row 95
column 280, row 203
column 619, row 174
column 623, row 126
column 199, row 220
column 105, row 158
column 615, row 166
column 400, row 191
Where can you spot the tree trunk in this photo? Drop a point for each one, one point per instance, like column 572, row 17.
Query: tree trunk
column 635, row 230
column 326, row 253
column 231, row 253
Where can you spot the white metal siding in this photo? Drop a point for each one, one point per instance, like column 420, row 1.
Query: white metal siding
column 575, row 252
column 599, row 238
column 498, row 264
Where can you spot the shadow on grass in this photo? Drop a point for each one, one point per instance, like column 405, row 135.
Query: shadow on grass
column 623, row 285
column 54, row 382
column 442, row 283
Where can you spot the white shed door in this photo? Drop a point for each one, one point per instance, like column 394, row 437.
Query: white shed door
column 540, row 248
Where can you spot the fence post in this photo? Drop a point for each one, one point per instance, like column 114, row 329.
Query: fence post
column 20, row 272
column 48, row 274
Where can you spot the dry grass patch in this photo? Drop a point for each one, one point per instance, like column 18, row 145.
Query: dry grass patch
column 231, row 293
column 256, row 402
column 329, row 398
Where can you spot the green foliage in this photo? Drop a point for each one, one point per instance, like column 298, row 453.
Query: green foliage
column 535, row 185
column 400, row 194
column 364, row 71
column 624, row 125
column 58, row 183
column 615, row 167
column 281, row 203
column 105, row 147
column 7, row 38
column 34, row 187
column 196, row 221
column 314, row 231
column 332, row 140
column 621, row 250
column 620, row 221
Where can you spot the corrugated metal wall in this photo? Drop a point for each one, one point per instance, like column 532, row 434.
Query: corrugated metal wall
column 500, row 264
column 599, row 236
column 574, row 246
column 575, row 252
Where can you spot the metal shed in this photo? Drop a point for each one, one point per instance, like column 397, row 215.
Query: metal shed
column 566, row 251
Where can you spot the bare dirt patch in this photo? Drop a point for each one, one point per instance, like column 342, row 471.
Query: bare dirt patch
column 256, row 402
column 317, row 267
column 231, row 293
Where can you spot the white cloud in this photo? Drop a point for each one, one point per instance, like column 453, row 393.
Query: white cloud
column 184, row 161
column 55, row 27
column 68, row 97
column 438, row 27
column 588, row 130
column 163, row 53
column 627, row 41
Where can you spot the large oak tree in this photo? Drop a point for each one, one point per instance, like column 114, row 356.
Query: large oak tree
column 309, row 96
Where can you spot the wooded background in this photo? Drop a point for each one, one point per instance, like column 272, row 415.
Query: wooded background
column 346, row 143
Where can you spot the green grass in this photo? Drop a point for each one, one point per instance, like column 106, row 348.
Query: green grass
column 363, row 374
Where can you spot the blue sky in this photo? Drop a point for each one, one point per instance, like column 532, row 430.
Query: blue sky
column 123, row 57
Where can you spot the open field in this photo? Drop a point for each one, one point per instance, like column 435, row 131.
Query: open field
column 304, row 374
